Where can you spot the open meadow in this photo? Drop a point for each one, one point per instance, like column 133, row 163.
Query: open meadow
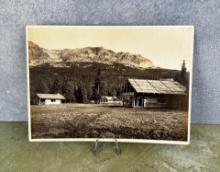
column 99, row 121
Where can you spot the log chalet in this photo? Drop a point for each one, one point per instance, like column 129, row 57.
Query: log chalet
column 155, row 94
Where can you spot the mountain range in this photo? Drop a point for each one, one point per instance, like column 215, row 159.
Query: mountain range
column 62, row 57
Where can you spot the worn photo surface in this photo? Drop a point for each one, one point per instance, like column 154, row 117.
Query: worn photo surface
column 130, row 83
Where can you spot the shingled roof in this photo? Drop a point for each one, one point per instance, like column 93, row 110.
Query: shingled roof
column 51, row 96
column 157, row 86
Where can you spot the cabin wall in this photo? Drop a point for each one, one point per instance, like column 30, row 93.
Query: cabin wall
column 50, row 101
column 157, row 101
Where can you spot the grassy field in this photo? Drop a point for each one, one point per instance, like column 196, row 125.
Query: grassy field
column 98, row 121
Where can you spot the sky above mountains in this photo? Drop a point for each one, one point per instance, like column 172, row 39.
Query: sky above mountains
column 165, row 46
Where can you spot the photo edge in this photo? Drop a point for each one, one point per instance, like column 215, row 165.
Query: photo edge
column 146, row 141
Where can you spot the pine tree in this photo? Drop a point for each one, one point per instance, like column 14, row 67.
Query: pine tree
column 66, row 90
column 182, row 75
column 42, row 87
column 183, row 70
column 84, row 95
column 56, row 86
column 99, row 87
column 64, row 87
column 78, row 94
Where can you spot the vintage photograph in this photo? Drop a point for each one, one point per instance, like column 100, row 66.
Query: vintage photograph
column 130, row 83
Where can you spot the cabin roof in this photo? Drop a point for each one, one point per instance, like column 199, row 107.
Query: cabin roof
column 51, row 96
column 157, row 86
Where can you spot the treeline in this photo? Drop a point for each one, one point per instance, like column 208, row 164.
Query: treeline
column 78, row 85
column 85, row 82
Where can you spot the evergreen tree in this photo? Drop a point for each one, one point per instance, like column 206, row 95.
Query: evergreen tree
column 64, row 87
column 183, row 70
column 114, row 92
column 67, row 91
column 55, row 87
column 98, row 88
column 84, row 95
column 183, row 74
column 42, row 87
column 181, row 77
column 78, row 94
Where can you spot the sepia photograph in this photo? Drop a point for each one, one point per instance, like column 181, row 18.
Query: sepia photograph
column 130, row 83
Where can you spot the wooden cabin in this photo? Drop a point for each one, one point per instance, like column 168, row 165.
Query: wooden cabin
column 155, row 94
column 48, row 99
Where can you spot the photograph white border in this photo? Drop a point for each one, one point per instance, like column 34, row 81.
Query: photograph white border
column 171, row 142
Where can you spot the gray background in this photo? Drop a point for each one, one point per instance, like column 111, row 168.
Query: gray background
column 205, row 15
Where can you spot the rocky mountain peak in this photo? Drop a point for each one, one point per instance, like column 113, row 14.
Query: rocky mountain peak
column 38, row 55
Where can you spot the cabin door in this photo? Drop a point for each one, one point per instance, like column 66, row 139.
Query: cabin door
column 140, row 101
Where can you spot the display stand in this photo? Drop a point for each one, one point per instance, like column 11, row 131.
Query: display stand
column 98, row 145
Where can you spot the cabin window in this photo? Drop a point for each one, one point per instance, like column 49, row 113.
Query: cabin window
column 53, row 100
column 42, row 100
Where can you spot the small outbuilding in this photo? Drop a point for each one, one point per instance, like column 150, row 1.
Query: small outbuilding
column 48, row 99
column 145, row 93
column 110, row 100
